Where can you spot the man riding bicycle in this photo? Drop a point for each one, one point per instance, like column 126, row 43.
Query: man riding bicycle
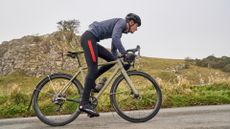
column 112, row 28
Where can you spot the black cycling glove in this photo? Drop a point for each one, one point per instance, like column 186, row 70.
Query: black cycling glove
column 129, row 57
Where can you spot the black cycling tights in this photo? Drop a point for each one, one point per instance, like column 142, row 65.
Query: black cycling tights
column 92, row 51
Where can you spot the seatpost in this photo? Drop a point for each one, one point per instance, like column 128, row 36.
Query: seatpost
column 78, row 60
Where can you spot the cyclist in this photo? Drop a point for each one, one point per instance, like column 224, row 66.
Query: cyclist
column 112, row 28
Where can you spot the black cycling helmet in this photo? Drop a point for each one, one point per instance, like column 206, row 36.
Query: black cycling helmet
column 134, row 17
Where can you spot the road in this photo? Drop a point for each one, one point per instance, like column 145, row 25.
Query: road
column 198, row 117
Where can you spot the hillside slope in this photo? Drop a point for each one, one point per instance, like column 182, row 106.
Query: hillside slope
column 32, row 57
column 37, row 55
column 24, row 62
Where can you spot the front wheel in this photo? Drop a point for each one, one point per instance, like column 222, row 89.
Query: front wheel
column 134, row 108
column 53, row 107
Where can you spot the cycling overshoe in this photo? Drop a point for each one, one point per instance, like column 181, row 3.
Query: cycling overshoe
column 89, row 110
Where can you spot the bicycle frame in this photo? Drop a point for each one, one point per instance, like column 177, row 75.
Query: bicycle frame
column 118, row 68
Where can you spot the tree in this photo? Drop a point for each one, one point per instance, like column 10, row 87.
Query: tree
column 70, row 25
column 68, row 30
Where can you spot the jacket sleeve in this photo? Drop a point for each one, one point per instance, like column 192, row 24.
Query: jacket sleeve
column 116, row 36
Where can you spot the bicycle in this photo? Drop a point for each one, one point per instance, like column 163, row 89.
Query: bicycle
column 134, row 95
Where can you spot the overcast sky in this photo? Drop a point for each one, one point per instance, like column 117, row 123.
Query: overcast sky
column 170, row 28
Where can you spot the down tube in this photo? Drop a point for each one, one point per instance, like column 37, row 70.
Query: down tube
column 108, row 82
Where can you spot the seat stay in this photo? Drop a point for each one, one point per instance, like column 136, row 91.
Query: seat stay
column 63, row 90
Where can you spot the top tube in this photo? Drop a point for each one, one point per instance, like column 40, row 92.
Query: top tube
column 108, row 63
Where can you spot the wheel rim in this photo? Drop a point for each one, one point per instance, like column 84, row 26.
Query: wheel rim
column 57, row 108
column 139, row 108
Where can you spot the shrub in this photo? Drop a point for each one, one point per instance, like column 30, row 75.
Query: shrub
column 19, row 98
column 226, row 68
column 214, row 62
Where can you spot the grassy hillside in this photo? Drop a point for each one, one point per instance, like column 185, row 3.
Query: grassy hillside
column 182, row 84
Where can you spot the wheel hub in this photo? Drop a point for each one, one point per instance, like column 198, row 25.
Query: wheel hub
column 59, row 99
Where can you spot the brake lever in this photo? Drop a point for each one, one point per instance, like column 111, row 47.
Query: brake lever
column 138, row 49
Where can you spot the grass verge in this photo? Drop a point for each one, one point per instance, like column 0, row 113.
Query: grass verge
column 16, row 104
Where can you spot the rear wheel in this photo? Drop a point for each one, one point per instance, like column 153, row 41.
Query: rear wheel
column 53, row 108
column 134, row 108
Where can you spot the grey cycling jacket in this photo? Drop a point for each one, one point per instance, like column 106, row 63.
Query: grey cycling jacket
column 112, row 28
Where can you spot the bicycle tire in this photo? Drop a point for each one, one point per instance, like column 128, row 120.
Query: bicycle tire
column 127, row 108
column 39, row 91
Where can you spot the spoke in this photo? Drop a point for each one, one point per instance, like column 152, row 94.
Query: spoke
column 46, row 93
column 49, row 94
column 149, row 99
column 52, row 85
column 117, row 93
column 124, row 99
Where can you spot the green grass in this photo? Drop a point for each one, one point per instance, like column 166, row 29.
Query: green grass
column 17, row 80
column 201, row 95
column 180, row 87
column 16, row 105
